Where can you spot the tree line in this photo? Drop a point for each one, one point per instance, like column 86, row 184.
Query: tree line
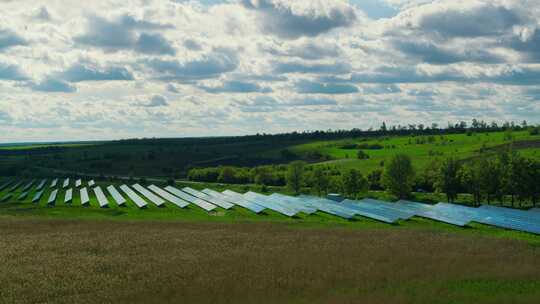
column 504, row 177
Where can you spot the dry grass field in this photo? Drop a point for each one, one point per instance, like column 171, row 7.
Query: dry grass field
column 85, row 261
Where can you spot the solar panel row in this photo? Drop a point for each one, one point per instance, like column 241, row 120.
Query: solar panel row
column 66, row 183
column 158, row 201
column 68, row 196
column 78, row 183
column 118, row 198
column 14, row 187
column 133, row 196
column 194, row 200
column 91, row 183
column 52, row 198
column 27, row 186
column 168, row 196
column 85, row 199
column 271, row 204
column 41, row 185
column 37, row 196
column 54, row 182
column 6, row 197
column 213, row 200
column 240, row 201
column 102, row 199
column 5, row 185
column 23, row 195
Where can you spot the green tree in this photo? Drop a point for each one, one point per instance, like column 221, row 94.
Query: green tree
column 399, row 175
column 354, row 182
column 320, row 181
column 471, row 180
column 295, row 175
column 227, row 175
column 448, row 180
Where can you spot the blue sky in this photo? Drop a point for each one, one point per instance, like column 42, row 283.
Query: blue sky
column 144, row 68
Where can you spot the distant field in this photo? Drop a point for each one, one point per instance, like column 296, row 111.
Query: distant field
column 68, row 261
column 459, row 146
column 37, row 146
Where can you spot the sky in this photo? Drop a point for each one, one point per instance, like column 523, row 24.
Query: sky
column 178, row 68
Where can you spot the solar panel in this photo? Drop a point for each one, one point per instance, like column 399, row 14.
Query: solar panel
column 68, row 196
column 329, row 206
column 430, row 212
column 240, row 201
column 102, row 199
column 369, row 212
column 293, row 202
column 134, row 196
column 52, row 197
column 23, row 196
column 78, row 183
column 85, row 199
column 158, row 201
column 6, row 197
column 27, row 186
column 221, row 203
column 14, row 187
column 530, row 217
column 118, row 198
column 194, row 200
column 168, row 196
column 41, row 185
column 91, row 183
column 271, row 204
column 37, row 196
column 492, row 217
column 54, row 182
column 5, row 185
column 318, row 205
column 391, row 208
column 66, row 183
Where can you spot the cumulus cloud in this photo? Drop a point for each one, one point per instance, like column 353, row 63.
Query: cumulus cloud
column 154, row 102
column 211, row 65
column 11, row 72
column 312, row 68
column 311, row 87
column 291, row 20
column 234, row 86
column 9, row 38
column 126, row 33
column 53, row 85
column 86, row 72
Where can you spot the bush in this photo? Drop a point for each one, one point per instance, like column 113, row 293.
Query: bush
column 362, row 155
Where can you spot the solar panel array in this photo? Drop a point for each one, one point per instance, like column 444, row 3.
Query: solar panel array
column 118, row 198
column 102, row 199
column 134, row 196
column 91, row 183
column 290, row 206
column 78, row 183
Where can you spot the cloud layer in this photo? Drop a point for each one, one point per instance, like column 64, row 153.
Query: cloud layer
column 110, row 69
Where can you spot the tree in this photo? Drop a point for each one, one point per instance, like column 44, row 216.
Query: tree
column 399, row 175
column 354, row 182
column 374, row 180
column 295, row 175
column 448, row 180
column 490, row 178
column 227, row 175
column 471, row 179
column 320, row 181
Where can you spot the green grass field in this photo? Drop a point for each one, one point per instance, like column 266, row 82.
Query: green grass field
column 459, row 146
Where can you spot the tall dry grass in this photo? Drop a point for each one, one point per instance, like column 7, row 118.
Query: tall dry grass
column 56, row 261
